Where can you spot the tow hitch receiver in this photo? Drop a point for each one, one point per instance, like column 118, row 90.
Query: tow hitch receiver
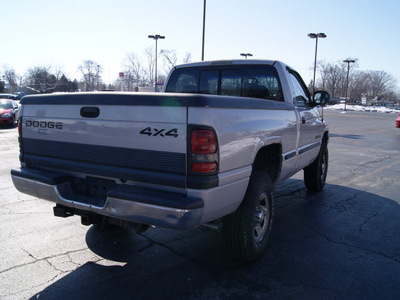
column 60, row 211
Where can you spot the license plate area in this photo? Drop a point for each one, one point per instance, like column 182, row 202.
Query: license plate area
column 91, row 190
column 98, row 187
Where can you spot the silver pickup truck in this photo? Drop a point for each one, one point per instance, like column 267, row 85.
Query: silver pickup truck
column 211, row 147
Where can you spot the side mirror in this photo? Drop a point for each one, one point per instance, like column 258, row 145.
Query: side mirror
column 321, row 98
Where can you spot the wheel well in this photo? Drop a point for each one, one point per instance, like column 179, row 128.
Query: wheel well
column 325, row 138
column 269, row 160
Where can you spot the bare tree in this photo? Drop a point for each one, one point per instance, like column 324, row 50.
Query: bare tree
column 359, row 85
column 134, row 71
column 333, row 78
column 41, row 79
column 137, row 75
column 380, row 82
column 169, row 58
column 149, row 72
column 12, row 79
column 187, row 58
column 91, row 74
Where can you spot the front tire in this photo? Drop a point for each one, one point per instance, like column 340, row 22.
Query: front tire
column 315, row 174
column 14, row 122
column 247, row 230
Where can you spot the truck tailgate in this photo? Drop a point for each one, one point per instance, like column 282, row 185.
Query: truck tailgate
column 115, row 135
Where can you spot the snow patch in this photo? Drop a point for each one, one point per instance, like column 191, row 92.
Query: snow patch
column 379, row 109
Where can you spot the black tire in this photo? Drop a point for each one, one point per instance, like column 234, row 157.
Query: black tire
column 315, row 174
column 247, row 230
column 14, row 122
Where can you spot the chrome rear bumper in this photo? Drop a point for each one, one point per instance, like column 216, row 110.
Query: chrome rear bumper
column 130, row 203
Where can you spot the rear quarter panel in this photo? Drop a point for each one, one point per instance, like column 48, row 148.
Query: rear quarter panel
column 242, row 132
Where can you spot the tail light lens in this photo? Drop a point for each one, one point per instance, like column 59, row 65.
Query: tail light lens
column 204, row 151
column 204, row 167
column 21, row 157
column 20, row 127
column 203, row 142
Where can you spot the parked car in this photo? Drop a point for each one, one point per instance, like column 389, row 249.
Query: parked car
column 9, row 112
column 397, row 122
column 10, row 96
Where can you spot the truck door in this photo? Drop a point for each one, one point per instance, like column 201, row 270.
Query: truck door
column 310, row 123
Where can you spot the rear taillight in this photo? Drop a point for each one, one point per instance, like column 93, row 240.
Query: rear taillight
column 204, row 167
column 203, row 142
column 21, row 157
column 20, row 127
column 204, row 152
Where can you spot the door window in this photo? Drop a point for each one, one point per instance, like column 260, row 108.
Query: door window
column 300, row 94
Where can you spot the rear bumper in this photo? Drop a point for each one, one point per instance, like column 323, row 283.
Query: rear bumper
column 125, row 202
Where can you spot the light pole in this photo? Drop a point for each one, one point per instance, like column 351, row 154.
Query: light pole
column 316, row 36
column 204, row 30
column 348, row 61
column 246, row 54
column 156, row 37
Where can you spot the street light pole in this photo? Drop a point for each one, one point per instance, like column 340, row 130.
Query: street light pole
column 246, row 54
column 204, row 30
column 156, row 37
column 316, row 36
column 348, row 61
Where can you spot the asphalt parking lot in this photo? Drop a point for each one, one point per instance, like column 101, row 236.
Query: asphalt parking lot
column 342, row 243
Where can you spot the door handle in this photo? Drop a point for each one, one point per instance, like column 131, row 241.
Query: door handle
column 90, row 112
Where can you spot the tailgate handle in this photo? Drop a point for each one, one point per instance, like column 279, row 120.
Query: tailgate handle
column 90, row 112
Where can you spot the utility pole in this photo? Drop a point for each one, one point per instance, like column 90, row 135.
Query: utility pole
column 156, row 37
column 348, row 61
column 204, row 30
column 246, row 54
column 315, row 36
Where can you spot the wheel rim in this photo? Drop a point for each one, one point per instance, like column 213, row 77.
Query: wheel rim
column 261, row 218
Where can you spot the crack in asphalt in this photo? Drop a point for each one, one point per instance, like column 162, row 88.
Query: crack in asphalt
column 19, row 201
column 44, row 259
column 343, row 204
column 366, row 221
column 379, row 160
column 367, row 164
column 356, row 247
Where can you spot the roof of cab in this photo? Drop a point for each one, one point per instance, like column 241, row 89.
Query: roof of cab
column 229, row 62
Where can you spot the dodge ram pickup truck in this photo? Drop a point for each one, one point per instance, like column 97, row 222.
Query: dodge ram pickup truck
column 209, row 148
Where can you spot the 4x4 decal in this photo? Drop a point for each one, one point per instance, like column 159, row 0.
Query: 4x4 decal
column 159, row 132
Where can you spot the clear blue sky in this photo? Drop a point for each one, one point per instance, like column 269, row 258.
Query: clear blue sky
column 65, row 33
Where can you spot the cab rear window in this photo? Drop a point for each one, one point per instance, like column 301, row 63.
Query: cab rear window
column 244, row 81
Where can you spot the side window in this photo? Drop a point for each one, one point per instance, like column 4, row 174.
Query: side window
column 300, row 96
column 184, row 81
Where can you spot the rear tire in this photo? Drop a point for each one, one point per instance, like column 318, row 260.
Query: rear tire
column 14, row 122
column 247, row 230
column 315, row 174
